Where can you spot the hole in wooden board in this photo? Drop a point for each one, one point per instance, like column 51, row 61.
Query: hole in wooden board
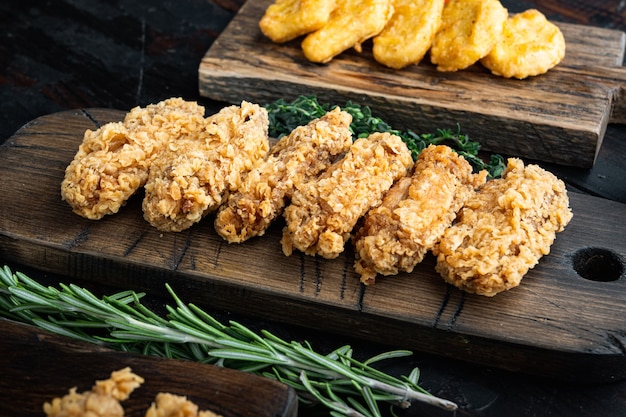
column 598, row 264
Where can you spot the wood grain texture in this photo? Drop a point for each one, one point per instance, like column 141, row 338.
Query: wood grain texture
column 53, row 364
column 556, row 323
column 559, row 117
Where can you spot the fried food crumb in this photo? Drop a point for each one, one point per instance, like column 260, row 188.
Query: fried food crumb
column 170, row 405
column 350, row 24
column 285, row 20
column 105, row 396
column 112, row 162
column 102, row 401
column 293, row 160
column 530, row 45
column 414, row 214
column 469, row 31
column 503, row 230
column 408, row 35
column 323, row 212
column 190, row 178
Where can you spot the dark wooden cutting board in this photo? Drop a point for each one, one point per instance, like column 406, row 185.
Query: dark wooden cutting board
column 556, row 323
column 558, row 117
column 38, row 366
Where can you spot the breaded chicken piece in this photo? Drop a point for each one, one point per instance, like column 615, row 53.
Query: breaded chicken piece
column 323, row 213
column 409, row 33
column 351, row 23
column 414, row 214
column 530, row 45
column 285, row 20
column 191, row 177
column 171, row 405
column 503, row 230
column 293, row 160
column 469, row 31
column 112, row 162
column 102, row 401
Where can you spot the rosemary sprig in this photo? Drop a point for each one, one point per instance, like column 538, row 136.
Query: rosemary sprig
column 346, row 386
column 285, row 116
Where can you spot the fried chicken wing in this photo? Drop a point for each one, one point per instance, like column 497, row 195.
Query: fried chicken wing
column 409, row 33
column 285, row 20
column 112, row 162
column 469, row 31
column 530, row 45
column 503, row 230
column 350, row 24
column 414, row 214
column 191, row 177
column 102, row 401
column 293, row 160
column 323, row 213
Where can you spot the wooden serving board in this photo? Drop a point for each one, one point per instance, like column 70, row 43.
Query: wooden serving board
column 556, row 323
column 558, row 117
column 38, row 366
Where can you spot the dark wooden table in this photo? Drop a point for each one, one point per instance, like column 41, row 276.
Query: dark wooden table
column 64, row 55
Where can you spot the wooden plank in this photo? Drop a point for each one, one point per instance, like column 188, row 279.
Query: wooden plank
column 53, row 364
column 558, row 117
column 556, row 323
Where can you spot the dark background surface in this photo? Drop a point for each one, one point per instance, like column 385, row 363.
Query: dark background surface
column 60, row 55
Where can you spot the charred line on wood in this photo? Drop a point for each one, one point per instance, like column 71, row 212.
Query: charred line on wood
column 91, row 118
column 133, row 245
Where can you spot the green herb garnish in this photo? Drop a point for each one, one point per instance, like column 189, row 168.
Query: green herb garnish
column 285, row 116
column 346, row 386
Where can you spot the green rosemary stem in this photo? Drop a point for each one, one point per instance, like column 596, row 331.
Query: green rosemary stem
column 121, row 320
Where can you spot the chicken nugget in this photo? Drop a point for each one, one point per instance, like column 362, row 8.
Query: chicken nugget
column 503, row 230
column 285, row 20
column 469, row 31
column 530, row 45
column 191, row 177
column 414, row 214
column 409, row 33
column 112, row 162
column 351, row 23
column 293, row 160
column 323, row 213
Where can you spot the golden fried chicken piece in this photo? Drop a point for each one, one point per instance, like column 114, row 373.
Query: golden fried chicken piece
column 351, row 23
column 409, row 33
column 191, row 177
column 170, row 405
column 102, row 401
column 469, row 31
column 285, row 20
column 293, row 160
column 530, row 45
column 414, row 214
column 503, row 230
column 323, row 213
column 112, row 162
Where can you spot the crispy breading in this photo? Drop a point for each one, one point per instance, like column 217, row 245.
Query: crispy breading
column 102, row 401
column 285, row 20
column 351, row 23
column 415, row 213
column 172, row 405
column 530, row 45
column 323, row 213
column 504, row 230
column 190, row 178
column 409, row 33
column 469, row 31
column 293, row 160
column 112, row 162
